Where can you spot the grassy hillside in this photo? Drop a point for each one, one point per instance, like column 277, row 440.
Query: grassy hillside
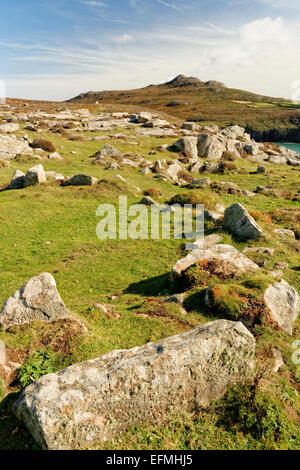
column 188, row 98
column 53, row 228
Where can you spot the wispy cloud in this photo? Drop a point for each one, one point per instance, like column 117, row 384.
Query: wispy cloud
column 93, row 3
column 123, row 39
column 169, row 5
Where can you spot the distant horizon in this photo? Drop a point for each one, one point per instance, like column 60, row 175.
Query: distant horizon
column 54, row 50
column 129, row 89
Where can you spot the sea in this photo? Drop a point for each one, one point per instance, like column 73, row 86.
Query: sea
column 291, row 146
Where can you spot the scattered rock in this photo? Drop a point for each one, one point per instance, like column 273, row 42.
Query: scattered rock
column 259, row 250
column 201, row 182
column 210, row 147
column 283, row 303
column 108, row 310
column 43, row 144
column 282, row 232
column 278, row 359
column 38, row 299
column 239, row 222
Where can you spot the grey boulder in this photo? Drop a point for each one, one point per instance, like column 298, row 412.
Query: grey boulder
column 98, row 399
column 284, row 304
column 239, row 222
column 38, row 299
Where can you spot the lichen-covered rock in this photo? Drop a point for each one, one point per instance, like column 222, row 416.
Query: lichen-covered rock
column 226, row 258
column 95, row 400
column 10, row 147
column 239, row 222
column 38, row 299
column 284, row 304
column 210, row 147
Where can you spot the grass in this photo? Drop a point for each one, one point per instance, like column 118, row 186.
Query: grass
column 52, row 228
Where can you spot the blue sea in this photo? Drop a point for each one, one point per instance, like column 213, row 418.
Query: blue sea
column 291, row 146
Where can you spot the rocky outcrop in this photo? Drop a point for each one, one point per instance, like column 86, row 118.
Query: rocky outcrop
column 284, row 304
column 95, row 400
column 239, row 222
column 38, row 299
column 188, row 146
column 210, row 147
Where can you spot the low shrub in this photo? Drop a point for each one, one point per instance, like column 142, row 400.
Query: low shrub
column 228, row 156
column 43, row 144
column 244, row 408
column 38, row 364
column 152, row 192
column 205, row 197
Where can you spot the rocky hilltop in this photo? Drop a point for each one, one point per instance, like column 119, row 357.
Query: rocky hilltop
column 106, row 341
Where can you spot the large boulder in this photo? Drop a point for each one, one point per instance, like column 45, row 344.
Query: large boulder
column 210, row 147
column 227, row 259
column 239, row 222
column 35, row 175
column 187, row 145
column 95, row 400
column 284, row 304
column 38, row 299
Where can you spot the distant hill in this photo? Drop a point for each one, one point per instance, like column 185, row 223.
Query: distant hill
column 189, row 98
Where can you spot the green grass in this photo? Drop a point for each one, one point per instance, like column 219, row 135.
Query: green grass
column 88, row 271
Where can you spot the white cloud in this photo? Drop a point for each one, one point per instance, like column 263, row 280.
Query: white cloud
column 123, row 39
column 264, row 30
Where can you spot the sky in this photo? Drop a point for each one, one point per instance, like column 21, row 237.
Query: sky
column 56, row 49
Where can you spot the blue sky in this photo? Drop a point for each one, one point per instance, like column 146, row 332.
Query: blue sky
column 56, row 49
